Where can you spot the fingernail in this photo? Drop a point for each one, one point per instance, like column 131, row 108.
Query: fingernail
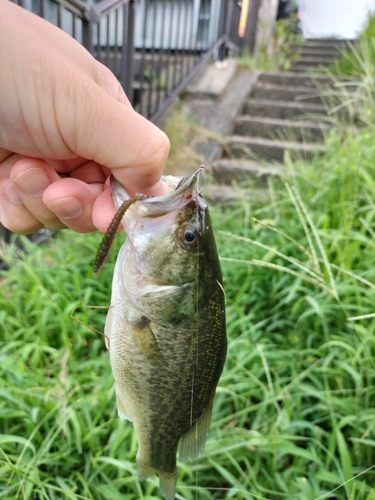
column 66, row 208
column 12, row 195
column 33, row 182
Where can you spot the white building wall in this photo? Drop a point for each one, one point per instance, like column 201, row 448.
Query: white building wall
column 340, row 18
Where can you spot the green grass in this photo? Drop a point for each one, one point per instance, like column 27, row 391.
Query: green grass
column 280, row 54
column 351, row 62
column 294, row 414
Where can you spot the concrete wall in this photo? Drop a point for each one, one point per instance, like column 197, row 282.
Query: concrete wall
column 266, row 24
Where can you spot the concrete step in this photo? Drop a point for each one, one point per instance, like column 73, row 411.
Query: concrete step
column 225, row 194
column 295, row 78
column 326, row 42
column 309, row 95
column 286, row 93
column 212, row 80
column 304, row 69
column 314, row 61
column 324, row 51
column 320, row 52
column 229, row 170
column 294, row 130
column 270, row 150
column 281, row 109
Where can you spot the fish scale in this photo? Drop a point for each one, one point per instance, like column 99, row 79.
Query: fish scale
column 166, row 326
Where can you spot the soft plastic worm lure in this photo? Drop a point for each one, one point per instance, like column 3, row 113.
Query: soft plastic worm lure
column 107, row 241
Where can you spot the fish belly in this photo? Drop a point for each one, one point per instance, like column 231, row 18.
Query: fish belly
column 165, row 380
column 166, row 391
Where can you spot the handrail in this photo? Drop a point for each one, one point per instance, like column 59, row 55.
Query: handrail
column 73, row 6
column 91, row 13
column 106, row 6
column 156, row 53
column 80, row 6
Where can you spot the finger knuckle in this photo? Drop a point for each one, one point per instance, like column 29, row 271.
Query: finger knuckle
column 157, row 150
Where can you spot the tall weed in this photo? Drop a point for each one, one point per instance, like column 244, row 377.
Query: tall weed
column 294, row 414
column 351, row 62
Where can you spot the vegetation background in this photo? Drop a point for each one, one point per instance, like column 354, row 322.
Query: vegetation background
column 294, row 415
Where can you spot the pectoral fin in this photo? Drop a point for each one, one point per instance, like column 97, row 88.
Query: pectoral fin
column 192, row 443
column 146, row 341
column 122, row 410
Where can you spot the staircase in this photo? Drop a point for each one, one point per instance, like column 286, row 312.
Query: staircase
column 284, row 113
column 319, row 52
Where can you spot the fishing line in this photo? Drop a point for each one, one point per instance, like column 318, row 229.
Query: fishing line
column 232, row 490
column 202, row 167
column 344, row 483
column 258, row 497
column 197, row 334
column 88, row 326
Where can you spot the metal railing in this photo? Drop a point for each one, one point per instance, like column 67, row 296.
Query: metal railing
column 154, row 47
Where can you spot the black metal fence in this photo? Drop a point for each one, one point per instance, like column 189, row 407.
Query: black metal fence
column 154, row 47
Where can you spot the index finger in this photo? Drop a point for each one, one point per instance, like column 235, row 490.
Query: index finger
column 100, row 128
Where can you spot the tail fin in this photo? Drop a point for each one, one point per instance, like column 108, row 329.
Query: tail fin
column 168, row 481
column 168, row 484
column 144, row 470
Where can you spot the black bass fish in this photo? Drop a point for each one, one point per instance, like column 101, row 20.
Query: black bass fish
column 165, row 328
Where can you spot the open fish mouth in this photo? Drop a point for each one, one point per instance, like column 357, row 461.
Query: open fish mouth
column 179, row 192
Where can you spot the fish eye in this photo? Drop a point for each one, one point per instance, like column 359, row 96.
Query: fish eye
column 188, row 235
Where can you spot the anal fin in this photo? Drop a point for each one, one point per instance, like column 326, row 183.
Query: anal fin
column 122, row 410
column 192, row 443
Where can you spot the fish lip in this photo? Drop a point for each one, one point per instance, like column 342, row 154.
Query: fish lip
column 183, row 184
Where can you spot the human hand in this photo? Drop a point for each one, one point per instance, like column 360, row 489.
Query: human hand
column 65, row 125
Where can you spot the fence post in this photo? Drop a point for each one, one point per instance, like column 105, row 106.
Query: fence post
column 127, row 57
column 251, row 25
column 87, row 41
column 91, row 16
column 223, row 28
column 4, row 234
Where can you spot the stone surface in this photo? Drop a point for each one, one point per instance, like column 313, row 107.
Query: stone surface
column 213, row 80
column 229, row 170
column 259, row 117
column 294, row 78
column 282, row 109
column 259, row 148
column 314, row 61
column 232, row 194
column 218, row 116
column 292, row 130
column 286, row 92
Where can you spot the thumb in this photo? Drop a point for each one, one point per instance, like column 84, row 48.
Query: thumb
column 111, row 133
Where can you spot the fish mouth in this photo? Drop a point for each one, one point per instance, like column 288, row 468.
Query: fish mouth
column 181, row 190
